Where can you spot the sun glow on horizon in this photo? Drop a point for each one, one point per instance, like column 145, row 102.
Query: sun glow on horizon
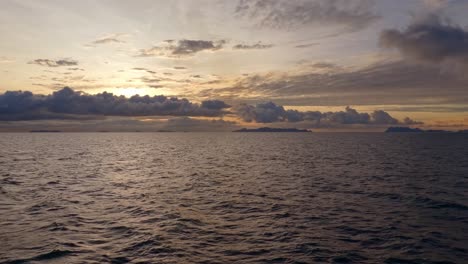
column 132, row 91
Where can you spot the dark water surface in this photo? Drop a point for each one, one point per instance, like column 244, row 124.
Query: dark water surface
column 233, row 198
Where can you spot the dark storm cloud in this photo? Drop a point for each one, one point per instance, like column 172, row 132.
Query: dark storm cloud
column 184, row 47
column 352, row 15
column 54, row 63
column 429, row 40
column 26, row 105
column 257, row 45
column 270, row 112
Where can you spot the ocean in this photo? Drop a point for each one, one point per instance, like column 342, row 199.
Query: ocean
column 233, row 198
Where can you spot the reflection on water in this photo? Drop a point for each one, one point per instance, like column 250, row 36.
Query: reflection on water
column 233, row 198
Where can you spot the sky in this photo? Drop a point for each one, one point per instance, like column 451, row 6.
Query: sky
column 212, row 65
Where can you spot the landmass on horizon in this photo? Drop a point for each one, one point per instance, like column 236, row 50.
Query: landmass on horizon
column 418, row 130
column 270, row 129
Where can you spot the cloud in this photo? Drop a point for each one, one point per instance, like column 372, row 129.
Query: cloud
column 144, row 69
column 54, row 63
column 214, row 104
column 408, row 121
column 434, row 5
column 182, row 48
column 293, row 14
column 430, row 108
column 113, row 38
column 382, row 117
column 67, row 104
column 26, row 105
column 261, row 113
column 258, row 45
column 430, row 40
column 270, row 113
column 384, row 83
column 306, row 45
column 6, row 59
column 325, row 65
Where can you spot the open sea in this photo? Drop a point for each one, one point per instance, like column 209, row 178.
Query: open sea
column 233, row 198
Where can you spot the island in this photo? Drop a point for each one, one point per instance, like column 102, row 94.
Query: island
column 269, row 129
column 417, row 130
column 45, row 131
column 402, row 129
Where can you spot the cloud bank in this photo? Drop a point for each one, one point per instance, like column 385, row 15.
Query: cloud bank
column 270, row 112
column 69, row 104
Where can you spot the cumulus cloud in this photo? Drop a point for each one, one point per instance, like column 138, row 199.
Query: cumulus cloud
column 261, row 113
column 291, row 14
column 20, row 105
column 67, row 104
column 382, row 117
column 258, row 45
column 214, row 104
column 270, row 112
column 54, row 63
column 429, row 40
column 182, row 48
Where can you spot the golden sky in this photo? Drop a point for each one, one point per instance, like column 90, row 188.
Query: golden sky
column 405, row 57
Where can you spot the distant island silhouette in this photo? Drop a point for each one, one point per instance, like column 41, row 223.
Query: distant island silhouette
column 269, row 129
column 45, row 131
column 418, row 130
